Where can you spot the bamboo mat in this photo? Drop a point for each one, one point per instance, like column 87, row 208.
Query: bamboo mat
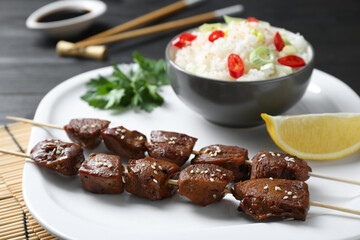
column 15, row 220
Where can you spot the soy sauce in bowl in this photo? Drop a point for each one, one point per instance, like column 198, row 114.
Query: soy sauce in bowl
column 65, row 19
column 62, row 14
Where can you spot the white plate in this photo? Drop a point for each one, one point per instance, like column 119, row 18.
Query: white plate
column 60, row 204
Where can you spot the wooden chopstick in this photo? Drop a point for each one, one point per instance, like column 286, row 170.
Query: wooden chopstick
column 64, row 48
column 147, row 18
column 181, row 23
column 91, row 48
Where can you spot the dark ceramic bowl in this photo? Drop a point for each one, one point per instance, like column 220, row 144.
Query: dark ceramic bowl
column 235, row 103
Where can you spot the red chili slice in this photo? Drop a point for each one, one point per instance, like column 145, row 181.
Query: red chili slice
column 215, row 35
column 235, row 65
column 252, row 19
column 292, row 61
column 279, row 42
column 183, row 39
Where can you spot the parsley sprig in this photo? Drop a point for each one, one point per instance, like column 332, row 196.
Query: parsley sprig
column 137, row 88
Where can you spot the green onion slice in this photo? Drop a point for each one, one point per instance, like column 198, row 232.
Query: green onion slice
column 260, row 35
column 289, row 50
column 283, row 69
column 261, row 56
column 268, row 66
column 210, row 27
column 286, row 41
column 228, row 19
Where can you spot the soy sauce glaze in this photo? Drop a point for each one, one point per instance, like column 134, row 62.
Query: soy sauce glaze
column 63, row 14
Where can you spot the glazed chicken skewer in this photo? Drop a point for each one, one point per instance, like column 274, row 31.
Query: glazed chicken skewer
column 201, row 183
column 88, row 133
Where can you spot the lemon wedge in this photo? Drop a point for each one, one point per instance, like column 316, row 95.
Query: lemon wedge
column 316, row 136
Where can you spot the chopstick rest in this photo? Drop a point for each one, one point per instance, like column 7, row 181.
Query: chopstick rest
column 64, row 48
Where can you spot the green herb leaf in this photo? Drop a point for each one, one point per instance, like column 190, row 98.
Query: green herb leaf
column 137, row 88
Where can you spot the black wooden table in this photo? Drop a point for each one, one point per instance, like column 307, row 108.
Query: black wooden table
column 29, row 67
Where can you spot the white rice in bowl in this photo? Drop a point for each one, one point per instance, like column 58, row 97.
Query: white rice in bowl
column 210, row 59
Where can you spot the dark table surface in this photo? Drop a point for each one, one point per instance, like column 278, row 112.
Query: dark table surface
column 29, row 66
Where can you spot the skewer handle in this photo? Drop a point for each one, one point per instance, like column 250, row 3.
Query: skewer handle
column 334, row 178
column 172, row 181
column 227, row 190
column 145, row 19
column 248, row 162
column 24, row 120
column 329, row 206
column 195, row 152
column 14, row 153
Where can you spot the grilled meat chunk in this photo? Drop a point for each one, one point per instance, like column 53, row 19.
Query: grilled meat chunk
column 148, row 178
column 171, row 146
column 204, row 183
column 86, row 131
column 60, row 156
column 102, row 173
column 121, row 141
column 264, row 198
column 229, row 157
column 279, row 165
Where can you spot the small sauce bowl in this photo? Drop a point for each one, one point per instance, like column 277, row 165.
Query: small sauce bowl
column 70, row 27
